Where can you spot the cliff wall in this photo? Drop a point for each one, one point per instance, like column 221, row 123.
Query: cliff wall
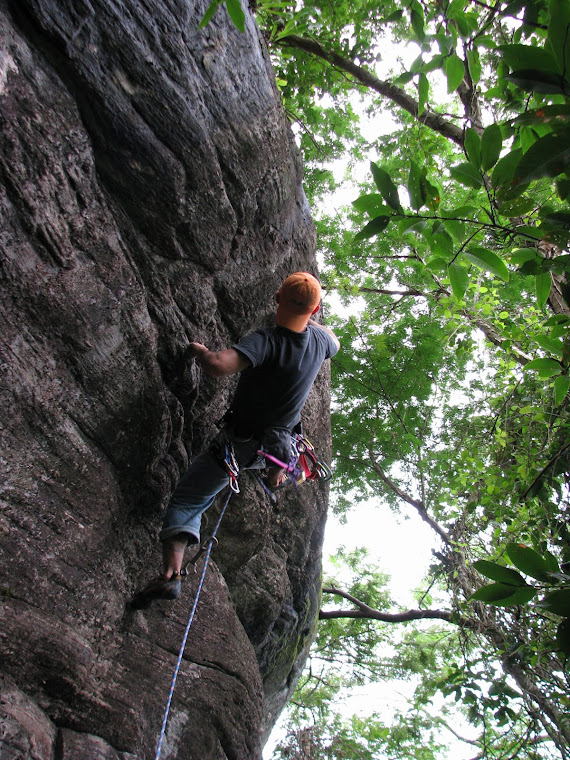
column 150, row 195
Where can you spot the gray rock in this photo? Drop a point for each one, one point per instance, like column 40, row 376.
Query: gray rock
column 150, row 195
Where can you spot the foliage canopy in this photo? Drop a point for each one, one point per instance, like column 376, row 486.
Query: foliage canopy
column 451, row 391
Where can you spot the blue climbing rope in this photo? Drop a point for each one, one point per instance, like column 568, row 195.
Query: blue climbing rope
column 210, row 543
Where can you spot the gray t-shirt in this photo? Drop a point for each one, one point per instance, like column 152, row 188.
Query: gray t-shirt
column 274, row 389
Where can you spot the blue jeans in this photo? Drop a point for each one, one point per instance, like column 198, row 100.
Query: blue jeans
column 198, row 488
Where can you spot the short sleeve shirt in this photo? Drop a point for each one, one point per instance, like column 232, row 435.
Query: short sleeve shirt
column 274, row 389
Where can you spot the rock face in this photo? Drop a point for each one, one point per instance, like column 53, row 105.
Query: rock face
column 150, row 195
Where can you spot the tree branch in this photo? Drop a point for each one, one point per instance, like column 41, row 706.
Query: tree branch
column 547, row 466
column 419, row 506
column 403, row 293
column 392, row 92
column 367, row 612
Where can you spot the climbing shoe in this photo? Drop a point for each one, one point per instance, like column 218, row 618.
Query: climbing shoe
column 157, row 589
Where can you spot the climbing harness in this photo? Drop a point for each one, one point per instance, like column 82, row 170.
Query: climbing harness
column 207, row 547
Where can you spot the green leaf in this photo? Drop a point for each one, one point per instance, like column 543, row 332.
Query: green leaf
column 412, row 224
column 557, row 602
column 499, row 573
column 563, row 188
column 404, row 78
column 529, row 561
column 430, row 191
column 560, row 219
column 386, row 186
column 415, row 190
column 504, row 595
column 442, row 243
column 416, row 65
column 371, row 203
column 437, row 264
column 454, row 71
column 493, row 592
column 551, row 345
column 543, row 284
column 455, row 9
column 487, row 260
column 559, row 33
column 467, row 175
column 526, row 231
column 557, row 319
column 474, row 65
column 455, row 228
column 472, row 146
column 551, row 562
column 491, row 144
column 556, row 115
column 423, row 93
column 373, row 228
column 532, row 80
column 236, row 14
column 417, row 20
column 563, row 636
column 503, row 177
column 522, row 255
column 545, row 368
column 458, row 278
column 548, row 157
column 395, row 16
column 207, row 17
column 561, row 385
column 517, row 207
column 435, row 63
column 463, row 212
column 528, row 57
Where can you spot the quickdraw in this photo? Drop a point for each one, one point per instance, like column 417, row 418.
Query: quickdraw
column 232, row 467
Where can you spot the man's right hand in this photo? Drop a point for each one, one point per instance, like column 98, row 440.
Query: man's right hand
column 218, row 363
column 195, row 349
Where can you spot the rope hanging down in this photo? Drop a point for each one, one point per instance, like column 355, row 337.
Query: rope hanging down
column 210, row 543
column 304, row 465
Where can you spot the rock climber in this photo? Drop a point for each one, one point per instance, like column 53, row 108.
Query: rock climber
column 277, row 367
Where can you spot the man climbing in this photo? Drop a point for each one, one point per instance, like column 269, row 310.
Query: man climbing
column 278, row 366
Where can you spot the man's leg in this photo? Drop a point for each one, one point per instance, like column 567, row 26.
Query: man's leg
column 194, row 494
column 173, row 555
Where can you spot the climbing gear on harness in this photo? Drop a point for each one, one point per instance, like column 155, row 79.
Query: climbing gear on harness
column 157, row 589
column 210, row 543
column 222, row 450
column 312, row 467
column 232, row 467
column 303, row 464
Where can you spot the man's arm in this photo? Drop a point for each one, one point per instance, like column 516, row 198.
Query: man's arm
column 327, row 330
column 218, row 363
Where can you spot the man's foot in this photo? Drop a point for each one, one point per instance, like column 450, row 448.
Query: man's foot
column 157, row 589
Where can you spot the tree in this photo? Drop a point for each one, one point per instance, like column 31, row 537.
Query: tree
column 452, row 399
